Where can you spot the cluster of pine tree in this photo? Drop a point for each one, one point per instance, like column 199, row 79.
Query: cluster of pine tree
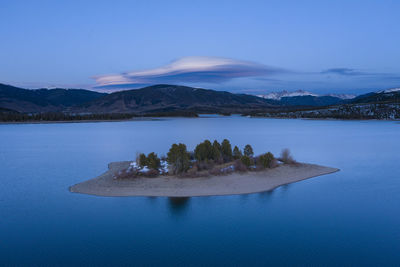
column 151, row 161
column 222, row 153
column 214, row 157
column 215, row 152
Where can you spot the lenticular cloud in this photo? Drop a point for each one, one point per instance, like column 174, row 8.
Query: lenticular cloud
column 188, row 70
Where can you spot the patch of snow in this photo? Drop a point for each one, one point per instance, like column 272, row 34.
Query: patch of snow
column 390, row 90
column 144, row 169
column 279, row 95
column 229, row 168
column 342, row 96
column 134, row 164
column 164, row 166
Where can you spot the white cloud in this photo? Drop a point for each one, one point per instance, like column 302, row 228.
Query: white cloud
column 188, row 70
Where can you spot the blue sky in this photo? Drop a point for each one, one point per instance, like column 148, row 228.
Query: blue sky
column 240, row 46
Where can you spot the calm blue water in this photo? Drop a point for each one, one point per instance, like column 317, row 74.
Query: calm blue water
column 348, row 218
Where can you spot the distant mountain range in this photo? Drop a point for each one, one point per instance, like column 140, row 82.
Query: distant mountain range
column 305, row 98
column 157, row 98
column 390, row 90
column 279, row 95
column 282, row 94
column 170, row 98
column 385, row 96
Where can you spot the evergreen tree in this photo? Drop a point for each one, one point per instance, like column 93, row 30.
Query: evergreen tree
column 178, row 158
column 142, row 160
column 265, row 160
column 153, row 161
column 204, row 151
column 216, row 147
column 248, row 151
column 246, row 160
column 208, row 149
column 226, row 150
column 200, row 153
column 237, row 154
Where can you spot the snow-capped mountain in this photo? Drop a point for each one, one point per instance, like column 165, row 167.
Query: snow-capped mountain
column 342, row 96
column 279, row 95
column 390, row 90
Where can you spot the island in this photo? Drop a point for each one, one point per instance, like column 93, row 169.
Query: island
column 211, row 169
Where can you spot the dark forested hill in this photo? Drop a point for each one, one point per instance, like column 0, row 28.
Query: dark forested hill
column 310, row 100
column 162, row 98
column 379, row 97
column 43, row 100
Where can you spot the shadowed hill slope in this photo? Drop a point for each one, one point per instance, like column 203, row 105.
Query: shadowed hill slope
column 161, row 98
column 43, row 100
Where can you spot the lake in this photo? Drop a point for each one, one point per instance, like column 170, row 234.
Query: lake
column 351, row 217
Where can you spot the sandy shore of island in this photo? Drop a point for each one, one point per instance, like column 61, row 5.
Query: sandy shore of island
column 170, row 186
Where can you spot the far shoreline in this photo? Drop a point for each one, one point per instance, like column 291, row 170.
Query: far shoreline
column 320, row 119
column 172, row 186
column 86, row 121
column 145, row 118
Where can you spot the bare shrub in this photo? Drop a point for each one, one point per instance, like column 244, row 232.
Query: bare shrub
column 205, row 165
column 151, row 173
column 215, row 171
column 219, row 160
column 126, row 174
column 239, row 166
column 193, row 171
column 228, row 170
column 259, row 167
column 274, row 163
column 286, row 157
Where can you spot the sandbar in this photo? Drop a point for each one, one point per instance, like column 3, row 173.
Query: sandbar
column 172, row 186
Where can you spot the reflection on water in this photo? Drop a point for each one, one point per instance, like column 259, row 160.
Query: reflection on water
column 285, row 187
column 266, row 194
column 178, row 205
column 152, row 200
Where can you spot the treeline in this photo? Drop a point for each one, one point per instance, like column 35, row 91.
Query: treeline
column 183, row 113
column 207, row 159
column 343, row 112
column 60, row 116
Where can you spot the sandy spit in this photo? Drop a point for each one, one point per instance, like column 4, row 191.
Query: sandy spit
column 169, row 186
